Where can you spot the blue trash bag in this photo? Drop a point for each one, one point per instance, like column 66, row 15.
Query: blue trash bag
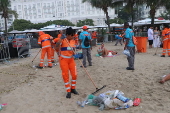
column 78, row 55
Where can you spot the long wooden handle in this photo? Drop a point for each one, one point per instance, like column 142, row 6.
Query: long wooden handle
column 36, row 55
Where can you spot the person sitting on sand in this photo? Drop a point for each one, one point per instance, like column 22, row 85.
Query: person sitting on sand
column 165, row 78
column 102, row 51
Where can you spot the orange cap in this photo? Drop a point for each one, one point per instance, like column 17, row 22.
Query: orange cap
column 84, row 27
column 41, row 33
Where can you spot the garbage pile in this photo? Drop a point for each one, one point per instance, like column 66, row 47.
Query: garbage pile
column 110, row 100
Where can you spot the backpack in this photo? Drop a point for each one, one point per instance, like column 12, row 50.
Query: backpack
column 135, row 42
column 86, row 42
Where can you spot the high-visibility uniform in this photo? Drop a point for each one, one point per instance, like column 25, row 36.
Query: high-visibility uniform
column 56, row 48
column 52, row 51
column 94, row 35
column 53, row 48
column 76, row 39
column 44, row 40
column 67, row 64
column 166, row 41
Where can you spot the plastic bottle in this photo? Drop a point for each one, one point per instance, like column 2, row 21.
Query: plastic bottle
column 122, row 98
column 136, row 101
column 83, row 103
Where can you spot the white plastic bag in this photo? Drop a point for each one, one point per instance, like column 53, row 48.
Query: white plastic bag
column 126, row 52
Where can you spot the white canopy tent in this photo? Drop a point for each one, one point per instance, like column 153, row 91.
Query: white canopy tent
column 116, row 25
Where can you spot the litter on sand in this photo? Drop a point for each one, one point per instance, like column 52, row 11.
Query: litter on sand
column 114, row 99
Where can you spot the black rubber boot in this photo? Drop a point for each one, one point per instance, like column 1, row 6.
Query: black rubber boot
column 68, row 95
column 162, row 55
column 129, row 68
column 39, row 67
column 74, row 91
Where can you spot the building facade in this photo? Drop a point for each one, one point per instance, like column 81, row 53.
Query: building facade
column 145, row 11
column 38, row 11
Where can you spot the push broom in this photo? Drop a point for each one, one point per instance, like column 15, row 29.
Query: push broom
column 97, row 89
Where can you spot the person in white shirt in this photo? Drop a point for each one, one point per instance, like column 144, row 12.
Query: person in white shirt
column 150, row 36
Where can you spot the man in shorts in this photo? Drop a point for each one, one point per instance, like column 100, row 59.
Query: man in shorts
column 150, row 36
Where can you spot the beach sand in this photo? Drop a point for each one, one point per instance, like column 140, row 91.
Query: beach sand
column 29, row 90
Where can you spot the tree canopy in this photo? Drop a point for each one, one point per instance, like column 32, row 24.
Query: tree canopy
column 104, row 5
column 21, row 24
column 154, row 6
column 85, row 22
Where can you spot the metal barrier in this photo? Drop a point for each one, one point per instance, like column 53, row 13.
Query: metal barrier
column 4, row 50
column 141, row 34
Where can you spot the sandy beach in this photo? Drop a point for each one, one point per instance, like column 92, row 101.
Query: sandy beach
column 29, row 90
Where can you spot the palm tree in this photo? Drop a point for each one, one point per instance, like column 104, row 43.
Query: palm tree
column 130, row 7
column 104, row 5
column 154, row 5
column 5, row 11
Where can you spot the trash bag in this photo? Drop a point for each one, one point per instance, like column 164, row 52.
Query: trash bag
column 126, row 52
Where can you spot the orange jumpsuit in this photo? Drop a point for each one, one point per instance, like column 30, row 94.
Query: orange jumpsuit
column 166, row 41
column 94, row 35
column 76, row 40
column 44, row 40
column 52, row 52
column 67, row 64
column 53, row 48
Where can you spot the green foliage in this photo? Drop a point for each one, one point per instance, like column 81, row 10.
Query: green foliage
column 154, row 5
column 63, row 22
column 104, row 5
column 166, row 14
column 85, row 22
column 5, row 9
column 21, row 24
column 117, row 21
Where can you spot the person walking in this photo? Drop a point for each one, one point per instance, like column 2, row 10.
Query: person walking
column 66, row 59
column 150, row 36
column 129, row 45
column 166, row 40
column 119, row 39
column 85, row 41
column 45, row 43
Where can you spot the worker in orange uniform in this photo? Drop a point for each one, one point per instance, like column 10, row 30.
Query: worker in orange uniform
column 52, row 51
column 67, row 44
column 56, row 40
column 166, row 40
column 60, row 33
column 76, row 38
column 45, row 43
column 94, row 37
